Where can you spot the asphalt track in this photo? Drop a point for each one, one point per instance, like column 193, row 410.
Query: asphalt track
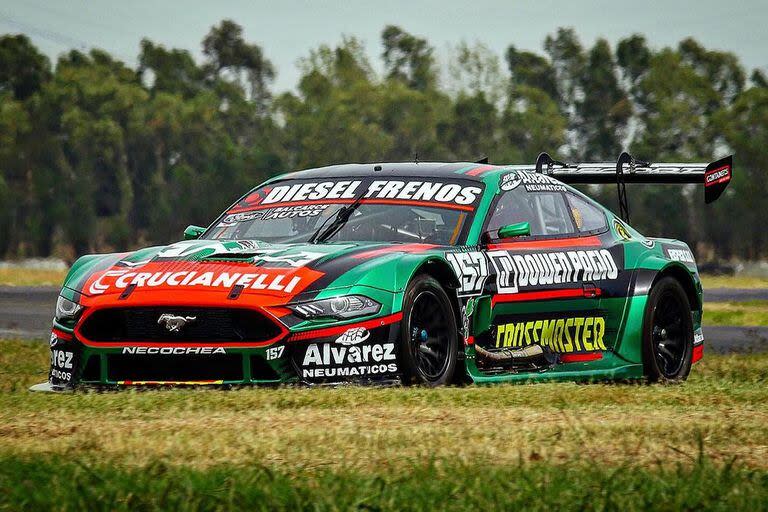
column 26, row 312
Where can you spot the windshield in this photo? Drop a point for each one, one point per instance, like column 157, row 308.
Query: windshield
column 393, row 210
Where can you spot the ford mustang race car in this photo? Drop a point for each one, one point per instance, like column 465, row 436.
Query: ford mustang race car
column 427, row 273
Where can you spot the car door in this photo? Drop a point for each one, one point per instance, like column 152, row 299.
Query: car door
column 545, row 288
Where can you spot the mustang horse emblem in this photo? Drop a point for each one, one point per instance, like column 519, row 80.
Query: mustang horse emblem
column 175, row 323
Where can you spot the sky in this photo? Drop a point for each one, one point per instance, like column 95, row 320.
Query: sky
column 288, row 29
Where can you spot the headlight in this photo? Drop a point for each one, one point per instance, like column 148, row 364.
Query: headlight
column 66, row 309
column 345, row 306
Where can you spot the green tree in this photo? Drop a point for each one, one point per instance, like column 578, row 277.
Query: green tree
column 604, row 110
column 408, row 58
column 23, row 69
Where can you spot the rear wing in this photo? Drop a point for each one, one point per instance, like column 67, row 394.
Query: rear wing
column 714, row 176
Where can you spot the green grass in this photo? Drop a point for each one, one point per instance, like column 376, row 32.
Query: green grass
column 708, row 281
column 40, row 484
column 750, row 313
column 598, row 446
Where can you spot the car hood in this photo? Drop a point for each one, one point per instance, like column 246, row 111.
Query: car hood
column 210, row 271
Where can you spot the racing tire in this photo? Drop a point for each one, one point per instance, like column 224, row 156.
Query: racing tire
column 429, row 334
column 667, row 333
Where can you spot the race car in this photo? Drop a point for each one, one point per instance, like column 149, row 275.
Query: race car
column 424, row 273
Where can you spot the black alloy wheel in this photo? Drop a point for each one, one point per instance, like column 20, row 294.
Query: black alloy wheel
column 668, row 333
column 429, row 334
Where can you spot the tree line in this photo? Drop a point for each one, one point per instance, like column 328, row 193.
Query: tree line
column 97, row 155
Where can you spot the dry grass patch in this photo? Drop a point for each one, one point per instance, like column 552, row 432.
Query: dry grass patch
column 31, row 277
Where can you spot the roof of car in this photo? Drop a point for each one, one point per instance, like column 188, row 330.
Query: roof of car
column 465, row 170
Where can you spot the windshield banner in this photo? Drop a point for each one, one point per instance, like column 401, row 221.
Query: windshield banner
column 462, row 195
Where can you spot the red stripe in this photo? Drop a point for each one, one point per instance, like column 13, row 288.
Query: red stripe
column 584, row 241
column 61, row 334
column 568, row 293
column 698, row 353
column 581, row 358
column 404, row 202
column 480, row 170
column 335, row 331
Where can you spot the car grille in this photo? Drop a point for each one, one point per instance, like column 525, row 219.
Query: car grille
column 214, row 325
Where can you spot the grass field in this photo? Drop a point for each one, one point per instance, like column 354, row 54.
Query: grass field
column 596, row 446
column 753, row 312
column 31, row 277
column 708, row 281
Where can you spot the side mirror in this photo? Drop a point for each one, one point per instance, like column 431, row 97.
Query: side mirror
column 514, row 230
column 193, row 232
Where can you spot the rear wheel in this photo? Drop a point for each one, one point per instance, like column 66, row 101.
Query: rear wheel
column 667, row 333
column 428, row 334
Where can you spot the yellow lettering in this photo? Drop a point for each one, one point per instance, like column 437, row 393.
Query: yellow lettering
column 519, row 334
column 587, row 333
column 547, row 334
column 536, row 330
column 559, row 326
column 599, row 329
column 568, row 325
column 578, row 322
column 528, row 327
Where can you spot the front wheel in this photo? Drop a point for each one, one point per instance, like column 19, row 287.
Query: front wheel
column 428, row 334
column 667, row 333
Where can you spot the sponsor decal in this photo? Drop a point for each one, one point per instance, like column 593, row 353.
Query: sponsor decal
column 720, row 175
column 561, row 335
column 190, row 247
column 472, row 270
column 295, row 259
column 698, row 336
column 236, row 218
column 428, row 191
column 347, row 357
column 290, row 212
column 649, row 243
column 466, row 317
column 518, row 271
column 205, row 351
column 354, row 336
column 235, row 248
column 121, row 279
column 621, row 230
column 680, row 254
column 531, row 181
column 62, row 366
column 279, row 212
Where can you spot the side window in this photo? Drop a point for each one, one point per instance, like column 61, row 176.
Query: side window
column 553, row 213
column 546, row 212
column 589, row 218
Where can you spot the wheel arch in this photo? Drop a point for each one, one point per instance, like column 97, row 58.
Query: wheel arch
column 443, row 273
column 682, row 275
